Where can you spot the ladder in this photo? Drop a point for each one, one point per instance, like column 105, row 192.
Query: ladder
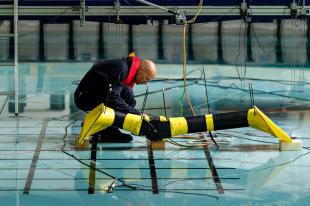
column 15, row 63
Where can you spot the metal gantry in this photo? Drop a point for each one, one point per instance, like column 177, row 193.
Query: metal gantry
column 14, row 11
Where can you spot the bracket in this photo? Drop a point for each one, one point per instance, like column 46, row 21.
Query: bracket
column 117, row 7
column 244, row 12
column 82, row 12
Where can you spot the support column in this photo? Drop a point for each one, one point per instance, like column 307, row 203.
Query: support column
column 249, row 43
column 71, row 50
column 220, row 58
column 190, row 50
column 160, row 47
column 130, row 40
column 279, row 57
column 11, row 42
column 100, row 42
column 41, row 56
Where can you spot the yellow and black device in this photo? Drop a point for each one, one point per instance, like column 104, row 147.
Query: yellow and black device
column 161, row 127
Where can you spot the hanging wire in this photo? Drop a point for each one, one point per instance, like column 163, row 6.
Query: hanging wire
column 180, row 102
column 184, row 69
column 245, row 60
column 143, row 108
column 241, row 74
column 145, row 99
column 243, row 69
column 256, row 37
column 213, row 140
column 49, row 22
column 205, row 82
column 165, row 108
column 251, row 95
column 184, row 53
column 197, row 13
column 207, row 96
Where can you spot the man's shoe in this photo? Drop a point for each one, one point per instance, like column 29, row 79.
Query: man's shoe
column 112, row 135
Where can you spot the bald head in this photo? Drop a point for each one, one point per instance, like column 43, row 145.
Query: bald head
column 146, row 72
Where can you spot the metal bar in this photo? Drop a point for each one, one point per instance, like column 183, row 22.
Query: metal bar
column 35, row 158
column 172, row 190
column 124, row 178
column 16, row 55
column 92, row 169
column 215, row 176
column 108, row 159
column 6, row 64
column 6, row 10
column 6, row 35
column 55, row 159
column 7, row 93
column 120, row 168
column 152, row 168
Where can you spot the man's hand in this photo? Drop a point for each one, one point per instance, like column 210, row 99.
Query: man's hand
column 149, row 130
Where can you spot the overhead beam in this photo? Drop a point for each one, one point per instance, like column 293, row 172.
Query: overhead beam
column 7, row 10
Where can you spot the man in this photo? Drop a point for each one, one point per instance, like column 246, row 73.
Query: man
column 110, row 82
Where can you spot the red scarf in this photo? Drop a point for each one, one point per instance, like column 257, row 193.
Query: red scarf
column 129, row 80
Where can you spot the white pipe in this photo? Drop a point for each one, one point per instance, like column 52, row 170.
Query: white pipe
column 16, row 55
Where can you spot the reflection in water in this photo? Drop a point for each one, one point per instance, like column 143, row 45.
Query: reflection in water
column 248, row 171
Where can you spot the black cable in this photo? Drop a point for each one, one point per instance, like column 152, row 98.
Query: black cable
column 168, row 88
column 65, row 135
column 213, row 140
column 256, row 38
column 205, row 81
column 230, row 135
column 165, row 108
column 129, row 4
column 145, row 99
column 240, row 76
column 285, row 82
column 124, row 184
column 99, row 170
column 50, row 21
column 231, row 86
column 234, row 87
column 219, row 17
column 251, row 95
column 181, row 78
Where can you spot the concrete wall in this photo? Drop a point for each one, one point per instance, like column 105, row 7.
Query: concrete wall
column 28, row 41
column 4, row 41
column 145, row 41
column 56, row 41
column 86, row 40
column 205, row 40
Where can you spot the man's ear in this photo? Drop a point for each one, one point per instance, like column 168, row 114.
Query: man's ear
column 142, row 67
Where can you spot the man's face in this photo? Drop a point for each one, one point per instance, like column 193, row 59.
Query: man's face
column 142, row 76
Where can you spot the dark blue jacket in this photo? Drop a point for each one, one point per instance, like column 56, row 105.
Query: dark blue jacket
column 95, row 85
